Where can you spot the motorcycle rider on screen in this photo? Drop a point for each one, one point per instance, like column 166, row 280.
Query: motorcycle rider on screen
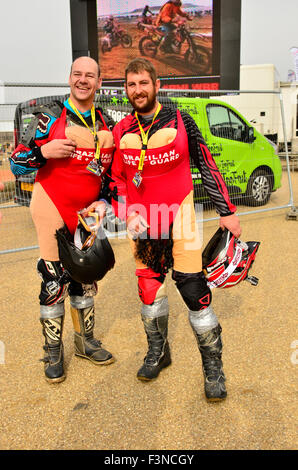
column 115, row 35
column 165, row 18
column 144, row 14
column 110, row 27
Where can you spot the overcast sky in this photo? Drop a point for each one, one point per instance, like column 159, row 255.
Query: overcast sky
column 35, row 37
column 106, row 7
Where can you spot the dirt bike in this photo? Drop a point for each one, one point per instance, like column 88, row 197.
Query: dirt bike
column 184, row 44
column 141, row 24
column 117, row 37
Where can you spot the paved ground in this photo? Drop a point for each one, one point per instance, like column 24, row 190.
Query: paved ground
column 107, row 408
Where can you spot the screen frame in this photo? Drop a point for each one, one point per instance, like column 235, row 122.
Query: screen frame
column 225, row 45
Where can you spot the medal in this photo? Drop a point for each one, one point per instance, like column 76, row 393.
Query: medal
column 137, row 179
column 95, row 167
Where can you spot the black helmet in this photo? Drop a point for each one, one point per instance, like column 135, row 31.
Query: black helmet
column 87, row 256
column 227, row 260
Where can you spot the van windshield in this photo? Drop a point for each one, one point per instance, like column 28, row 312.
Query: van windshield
column 223, row 122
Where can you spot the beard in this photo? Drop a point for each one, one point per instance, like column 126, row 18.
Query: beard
column 148, row 105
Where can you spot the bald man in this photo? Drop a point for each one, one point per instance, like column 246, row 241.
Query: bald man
column 69, row 178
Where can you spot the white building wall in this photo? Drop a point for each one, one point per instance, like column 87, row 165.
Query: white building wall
column 263, row 109
column 14, row 94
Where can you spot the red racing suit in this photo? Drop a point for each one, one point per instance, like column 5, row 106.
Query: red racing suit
column 166, row 177
column 67, row 182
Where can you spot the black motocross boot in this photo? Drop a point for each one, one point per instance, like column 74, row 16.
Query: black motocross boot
column 52, row 330
column 86, row 345
column 158, row 355
column 210, row 346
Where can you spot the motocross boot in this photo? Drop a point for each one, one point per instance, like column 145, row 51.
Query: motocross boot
column 158, row 355
column 210, row 346
column 52, row 329
column 86, row 346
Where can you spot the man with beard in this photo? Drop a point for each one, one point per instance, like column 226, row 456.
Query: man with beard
column 71, row 150
column 152, row 188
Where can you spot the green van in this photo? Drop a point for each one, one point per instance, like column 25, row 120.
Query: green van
column 247, row 160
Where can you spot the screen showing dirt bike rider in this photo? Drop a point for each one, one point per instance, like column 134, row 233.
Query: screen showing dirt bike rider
column 165, row 18
column 110, row 27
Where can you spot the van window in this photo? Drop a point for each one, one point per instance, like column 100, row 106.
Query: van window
column 223, row 122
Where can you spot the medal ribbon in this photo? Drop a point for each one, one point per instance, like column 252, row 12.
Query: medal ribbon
column 145, row 137
column 93, row 132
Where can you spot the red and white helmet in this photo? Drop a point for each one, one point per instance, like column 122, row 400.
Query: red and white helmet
column 227, row 260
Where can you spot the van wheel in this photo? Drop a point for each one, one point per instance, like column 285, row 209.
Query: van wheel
column 259, row 188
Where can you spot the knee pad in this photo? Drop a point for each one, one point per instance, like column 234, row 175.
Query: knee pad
column 151, row 285
column 54, row 282
column 193, row 289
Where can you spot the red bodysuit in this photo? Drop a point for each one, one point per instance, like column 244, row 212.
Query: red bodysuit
column 166, row 189
column 166, row 180
column 67, row 181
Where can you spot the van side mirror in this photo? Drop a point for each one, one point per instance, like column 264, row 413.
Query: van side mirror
column 251, row 135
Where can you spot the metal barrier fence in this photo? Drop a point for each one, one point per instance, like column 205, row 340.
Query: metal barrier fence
column 257, row 178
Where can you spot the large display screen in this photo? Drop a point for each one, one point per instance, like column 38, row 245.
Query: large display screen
column 178, row 40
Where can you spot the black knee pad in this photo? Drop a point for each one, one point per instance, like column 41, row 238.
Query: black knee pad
column 193, row 289
column 81, row 290
column 54, row 282
column 75, row 288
